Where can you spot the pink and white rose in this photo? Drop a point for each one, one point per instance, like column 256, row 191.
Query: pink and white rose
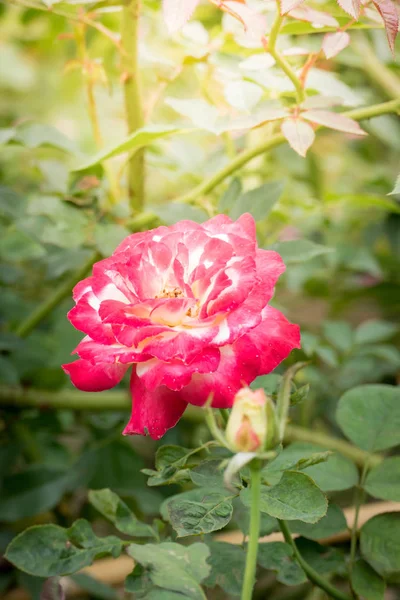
column 187, row 308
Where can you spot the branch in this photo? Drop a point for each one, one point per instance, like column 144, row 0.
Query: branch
column 312, row 575
column 18, row 397
column 375, row 69
column 204, row 188
column 64, row 289
column 59, row 294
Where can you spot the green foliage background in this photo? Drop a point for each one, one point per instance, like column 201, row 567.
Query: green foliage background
column 329, row 215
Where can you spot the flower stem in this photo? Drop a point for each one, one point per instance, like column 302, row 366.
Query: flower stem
column 312, row 575
column 254, row 533
column 280, row 60
column 133, row 97
column 358, row 114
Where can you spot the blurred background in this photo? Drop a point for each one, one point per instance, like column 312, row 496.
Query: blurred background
column 342, row 283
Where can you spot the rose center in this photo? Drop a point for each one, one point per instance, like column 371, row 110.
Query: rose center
column 175, row 293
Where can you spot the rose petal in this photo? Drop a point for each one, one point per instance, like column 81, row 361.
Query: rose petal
column 90, row 377
column 275, row 337
column 153, row 412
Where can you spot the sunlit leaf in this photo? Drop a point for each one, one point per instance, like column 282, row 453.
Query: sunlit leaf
column 287, row 5
column 139, row 139
column 299, row 134
column 177, row 13
column 333, row 121
column 390, row 17
column 352, row 7
column 316, row 17
column 333, row 43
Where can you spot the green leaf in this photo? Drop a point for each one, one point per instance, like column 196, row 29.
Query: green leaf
column 230, row 196
column 16, row 246
column 108, row 236
column 396, row 189
column 169, row 461
column 227, row 567
column 338, row 473
column 333, row 522
column 134, row 142
column 189, row 517
column 278, row 557
column 374, row 331
column 208, row 474
column 116, row 511
column 323, row 559
column 48, row 550
column 299, row 251
column 339, row 334
column 380, row 543
column 7, row 134
column 174, row 567
column 366, row 583
column 383, row 481
column 369, row 415
column 32, row 492
column 172, row 212
column 300, row 395
column 365, row 201
column 12, row 205
column 259, row 202
column 295, row 497
column 34, row 135
column 95, row 588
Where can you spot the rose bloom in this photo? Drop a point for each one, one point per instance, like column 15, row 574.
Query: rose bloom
column 187, row 308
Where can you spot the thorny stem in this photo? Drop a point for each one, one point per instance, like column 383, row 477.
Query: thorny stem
column 91, row 104
column 254, row 532
column 133, row 100
column 312, row 575
column 283, row 400
column 280, row 60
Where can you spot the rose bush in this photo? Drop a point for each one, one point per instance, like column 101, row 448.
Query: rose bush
column 187, row 307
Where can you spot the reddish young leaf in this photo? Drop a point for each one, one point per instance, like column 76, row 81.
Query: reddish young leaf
column 352, row 7
column 390, row 18
column 177, row 13
column 299, row 134
column 287, row 5
column 333, row 121
column 254, row 23
column 305, row 13
column 334, row 43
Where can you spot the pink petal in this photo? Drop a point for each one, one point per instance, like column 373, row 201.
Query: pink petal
column 90, row 377
column 153, row 412
column 390, row 18
column 238, row 366
column 299, row 134
column 274, row 339
column 333, row 121
column 177, row 13
column 85, row 317
column 334, row 43
column 96, row 352
column 352, row 7
column 175, row 374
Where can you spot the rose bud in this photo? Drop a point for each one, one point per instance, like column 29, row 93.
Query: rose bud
column 252, row 423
